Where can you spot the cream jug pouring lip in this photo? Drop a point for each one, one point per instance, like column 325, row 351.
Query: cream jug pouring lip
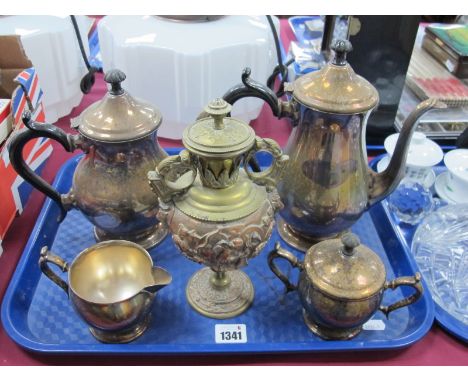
column 161, row 279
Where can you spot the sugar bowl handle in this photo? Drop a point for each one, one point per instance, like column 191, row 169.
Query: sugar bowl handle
column 293, row 260
column 412, row 281
column 272, row 174
column 48, row 257
column 169, row 179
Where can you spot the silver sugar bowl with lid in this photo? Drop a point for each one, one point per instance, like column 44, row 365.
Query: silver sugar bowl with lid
column 341, row 285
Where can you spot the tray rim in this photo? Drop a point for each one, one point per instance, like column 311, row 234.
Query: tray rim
column 178, row 348
column 447, row 321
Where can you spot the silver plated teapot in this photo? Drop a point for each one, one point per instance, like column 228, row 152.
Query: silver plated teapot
column 118, row 136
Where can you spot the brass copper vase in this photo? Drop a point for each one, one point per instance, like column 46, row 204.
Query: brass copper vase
column 118, row 135
column 219, row 214
column 327, row 184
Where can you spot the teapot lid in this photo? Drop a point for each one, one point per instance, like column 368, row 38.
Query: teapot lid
column 218, row 135
column 336, row 88
column 118, row 117
column 345, row 269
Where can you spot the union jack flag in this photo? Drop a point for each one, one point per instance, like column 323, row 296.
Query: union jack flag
column 14, row 191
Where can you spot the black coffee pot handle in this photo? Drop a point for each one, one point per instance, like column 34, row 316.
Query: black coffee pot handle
column 15, row 148
column 252, row 88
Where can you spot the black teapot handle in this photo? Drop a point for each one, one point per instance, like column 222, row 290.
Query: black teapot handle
column 15, row 148
column 252, row 88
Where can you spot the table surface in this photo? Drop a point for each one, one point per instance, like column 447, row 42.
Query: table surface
column 436, row 348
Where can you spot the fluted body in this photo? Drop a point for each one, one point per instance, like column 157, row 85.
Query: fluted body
column 111, row 189
column 324, row 187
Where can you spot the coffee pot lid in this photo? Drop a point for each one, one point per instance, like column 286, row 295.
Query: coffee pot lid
column 218, row 135
column 345, row 269
column 118, row 117
column 336, row 88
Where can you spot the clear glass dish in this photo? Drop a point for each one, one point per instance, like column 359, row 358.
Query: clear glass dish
column 440, row 247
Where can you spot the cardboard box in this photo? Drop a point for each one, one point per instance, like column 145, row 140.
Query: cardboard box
column 26, row 94
column 12, row 61
column 5, row 119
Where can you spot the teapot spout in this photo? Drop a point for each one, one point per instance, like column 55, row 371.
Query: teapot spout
column 380, row 185
column 161, row 279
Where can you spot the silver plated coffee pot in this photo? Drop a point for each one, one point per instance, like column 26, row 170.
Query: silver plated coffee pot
column 327, row 184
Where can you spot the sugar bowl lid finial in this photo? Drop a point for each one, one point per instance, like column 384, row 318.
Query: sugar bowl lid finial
column 341, row 49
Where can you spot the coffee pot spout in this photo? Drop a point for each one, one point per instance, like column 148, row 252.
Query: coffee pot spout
column 382, row 184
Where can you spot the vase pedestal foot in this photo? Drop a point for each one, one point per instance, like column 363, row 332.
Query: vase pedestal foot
column 220, row 295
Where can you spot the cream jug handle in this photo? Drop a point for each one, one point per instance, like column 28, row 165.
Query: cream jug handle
column 293, row 260
column 272, row 174
column 49, row 257
column 412, row 281
column 170, row 177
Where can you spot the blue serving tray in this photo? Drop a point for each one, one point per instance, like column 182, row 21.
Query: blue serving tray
column 405, row 233
column 38, row 316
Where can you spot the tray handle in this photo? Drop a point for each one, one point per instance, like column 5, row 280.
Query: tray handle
column 48, row 257
column 293, row 260
column 412, row 281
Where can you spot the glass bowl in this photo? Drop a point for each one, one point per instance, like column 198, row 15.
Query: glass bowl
column 440, row 247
